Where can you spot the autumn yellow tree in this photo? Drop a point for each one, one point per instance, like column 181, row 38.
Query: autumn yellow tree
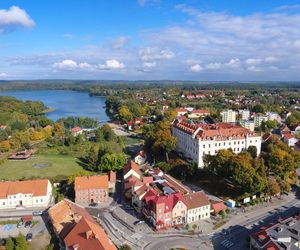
column 124, row 114
column 4, row 146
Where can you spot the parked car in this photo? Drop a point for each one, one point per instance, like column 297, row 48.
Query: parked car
column 28, row 224
column 138, row 222
column 20, row 224
column 29, row 237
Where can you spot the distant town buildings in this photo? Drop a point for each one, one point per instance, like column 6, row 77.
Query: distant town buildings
column 192, row 113
column 229, row 115
column 25, row 194
column 195, row 141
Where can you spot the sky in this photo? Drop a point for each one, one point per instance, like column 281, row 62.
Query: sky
column 215, row 40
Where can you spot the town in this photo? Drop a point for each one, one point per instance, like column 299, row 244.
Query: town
column 215, row 178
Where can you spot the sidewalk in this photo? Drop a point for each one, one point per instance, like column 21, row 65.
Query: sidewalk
column 255, row 212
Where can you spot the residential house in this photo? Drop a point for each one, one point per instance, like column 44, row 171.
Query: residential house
column 198, row 206
column 140, row 158
column 25, row 194
column 76, row 229
column 289, row 139
column 91, row 189
column 131, row 168
column 295, row 129
column 283, row 234
column 76, row 131
column 217, row 206
column 198, row 113
column 164, row 211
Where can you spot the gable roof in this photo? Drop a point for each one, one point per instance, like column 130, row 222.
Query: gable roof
column 91, row 182
column 195, row 200
column 73, row 224
column 131, row 165
column 35, row 187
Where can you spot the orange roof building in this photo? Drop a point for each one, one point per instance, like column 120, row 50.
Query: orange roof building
column 195, row 140
column 76, row 228
column 29, row 193
column 91, row 189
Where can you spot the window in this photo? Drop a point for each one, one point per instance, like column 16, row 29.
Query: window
column 203, row 146
column 3, row 203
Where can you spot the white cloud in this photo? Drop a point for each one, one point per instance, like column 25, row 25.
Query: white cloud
column 68, row 35
column 253, row 61
column 13, row 18
column 196, row 68
column 213, row 66
column 69, row 64
column 254, row 68
column 3, row 75
column 144, row 2
column 271, row 59
column 153, row 53
column 112, row 64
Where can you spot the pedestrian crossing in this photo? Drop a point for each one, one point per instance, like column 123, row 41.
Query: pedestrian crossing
column 227, row 244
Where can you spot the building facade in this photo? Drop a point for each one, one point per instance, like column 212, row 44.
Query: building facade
column 195, row 141
column 24, row 194
column 248, row 124
column 229, row 115
column 91, row 189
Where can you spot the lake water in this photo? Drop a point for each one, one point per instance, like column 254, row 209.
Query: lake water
column 66, row 103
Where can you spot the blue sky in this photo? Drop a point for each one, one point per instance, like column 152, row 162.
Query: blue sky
column 212, row 40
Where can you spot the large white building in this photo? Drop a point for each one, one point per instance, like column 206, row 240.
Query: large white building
column 244, row 114
column 195, row 141
column 228, row 115
column 31, row 193
column 258, row 119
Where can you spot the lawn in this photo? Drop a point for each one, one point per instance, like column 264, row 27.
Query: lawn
column 58, row 165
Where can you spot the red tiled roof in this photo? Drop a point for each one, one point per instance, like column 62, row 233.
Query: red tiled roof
column 200, row 111
column 77, row 228
column 195, row 200
column 131, row 165
column 91, row 182
column 76, row 129
column 35, row 187
column 219, row 131
column 217, row 206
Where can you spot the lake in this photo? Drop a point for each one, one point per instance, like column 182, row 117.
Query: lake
column 66, row 103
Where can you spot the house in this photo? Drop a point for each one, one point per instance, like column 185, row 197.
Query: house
column 190, row 96
column 164, row 211
column 228, row 115
column 25, row 194
column 76, row 229
column 131, row 168
column 76, row 131
column 112, row 179
column 295, row 129
column 181, row 111
column 196, row 140
column 283, row 234
column 91, row 189
column 198, row 206
column 198, row 113
column 217, row 206
column 289, row 139
column 140, row 158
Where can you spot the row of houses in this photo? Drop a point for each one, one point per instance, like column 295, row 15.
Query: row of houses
column 163, row 200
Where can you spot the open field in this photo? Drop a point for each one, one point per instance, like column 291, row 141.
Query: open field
column 59, row 165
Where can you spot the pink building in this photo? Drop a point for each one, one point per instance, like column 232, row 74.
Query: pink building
column 91, row 189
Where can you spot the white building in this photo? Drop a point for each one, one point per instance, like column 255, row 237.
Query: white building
column 195, row 141
column 258, row 119
column 228, row 115
column 244, row 114
column 140, row 158
column 198, row 207
column 273, row 116
column 247, row 124
column 31, row 193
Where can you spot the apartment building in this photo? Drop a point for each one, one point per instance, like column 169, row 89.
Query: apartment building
column 91, row 189
column 248, row 124
column 24, row 194
column 244, row 114
column 195, row 141
column 229, row 115
column 258, row 119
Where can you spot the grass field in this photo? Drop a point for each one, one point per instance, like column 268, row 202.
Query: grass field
column 59, row 165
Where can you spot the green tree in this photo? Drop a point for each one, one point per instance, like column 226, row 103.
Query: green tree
column 273, row 187
column 21, row 243
column 125, row 247
column 124, row 114
column 113, row 161
column 252, row 150
column 92, row 159
column 259, row 108
column 9, row 245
